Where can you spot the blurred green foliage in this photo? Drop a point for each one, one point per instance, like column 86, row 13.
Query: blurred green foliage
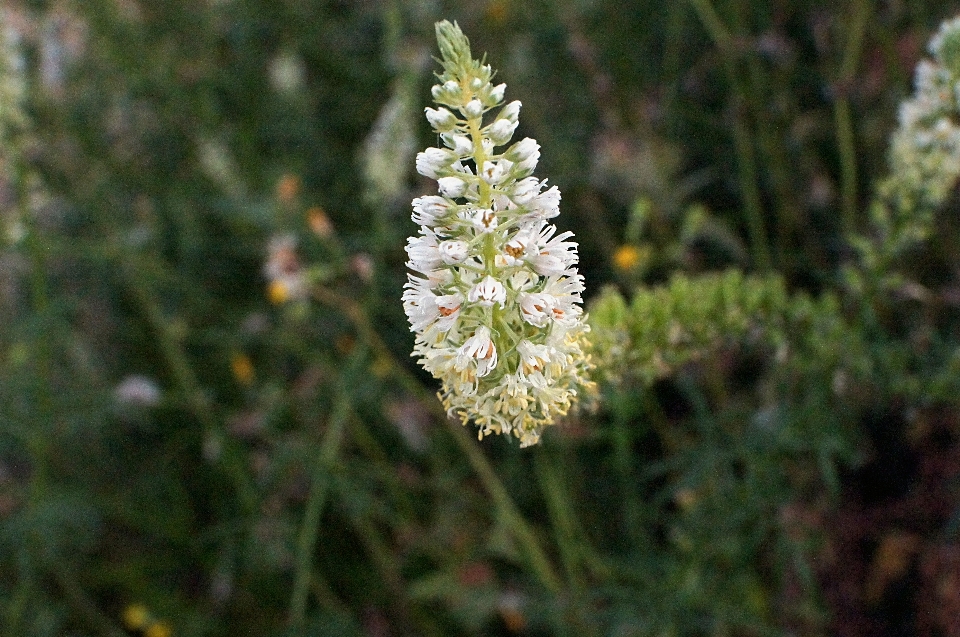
column 209, row 424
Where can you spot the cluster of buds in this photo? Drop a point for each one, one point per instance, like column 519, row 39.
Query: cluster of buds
column 925, row 149
column 494, row 296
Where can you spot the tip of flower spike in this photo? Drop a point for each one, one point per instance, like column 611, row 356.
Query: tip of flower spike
column 945, row 45
column 454, row 45
column 455, row 55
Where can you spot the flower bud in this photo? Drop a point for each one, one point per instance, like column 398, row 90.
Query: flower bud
column 433, row 161
column 448, row 93
column 511, row 111
column 461, row 144
column 494, row 172
column 452, row 187
column 440, row 119
column 427, row 211
column 501, row 130
column 473, row 109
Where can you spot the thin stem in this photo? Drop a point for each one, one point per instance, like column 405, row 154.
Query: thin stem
column 408, row 616
column 319, row 484
column 772, row 146
column 16, row 607
column 561, row 516
column 84, row 605
column 746, row 158
column 749, row 183
column 714, row 26
column 571, row 543
column 843, row 122
column 506, row 510
column 187, row 382
column 842, row 115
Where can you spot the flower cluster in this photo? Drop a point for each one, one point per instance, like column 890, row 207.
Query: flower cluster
column 494, row 297
column 925, row 149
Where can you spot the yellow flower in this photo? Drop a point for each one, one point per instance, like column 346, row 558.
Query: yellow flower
column 242, row 368
column 158, row 629
column 277, row 292
column 627, row 257
column 136, row 616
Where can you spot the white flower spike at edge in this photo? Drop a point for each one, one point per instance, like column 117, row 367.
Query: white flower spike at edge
column 494, row 296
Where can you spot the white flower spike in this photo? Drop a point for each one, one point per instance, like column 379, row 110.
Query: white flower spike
column 494, row 295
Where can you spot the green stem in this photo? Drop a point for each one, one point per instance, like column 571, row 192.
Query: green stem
column 319, row 484
column 506, row 510
column 746, row 157
column 408, row 616
column 187, row 382
column 772, row 146
column 848, row 162
column 561, row 517
column 843, row 119
column 84, row 605
column 16, row 607
column 572, row 544
column 749, row 183
column 714, row 26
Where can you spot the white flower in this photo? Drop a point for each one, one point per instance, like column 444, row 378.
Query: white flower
column 423, row 252
column 494, row 172
column 526, row 154
column 554, row 255
column 432, row 161
column 547, row 204
column 447, row 93
column 480, row 350
column 534, row 358
column 448, row 308
column 515, row 249
column 460, row 144
column 565, row 292
column 419, row 304
column 454, row 251
column 452, row 187
column 525, row 190
column 440, row 118
column 511, row 111
column 484, row 220
column 525, row 304
column 488, row 292
column 537, row 308
column 501, row 130
column 473, row 109
column 427, row 211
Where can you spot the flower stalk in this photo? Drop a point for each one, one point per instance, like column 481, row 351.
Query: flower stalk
column 494, row 295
